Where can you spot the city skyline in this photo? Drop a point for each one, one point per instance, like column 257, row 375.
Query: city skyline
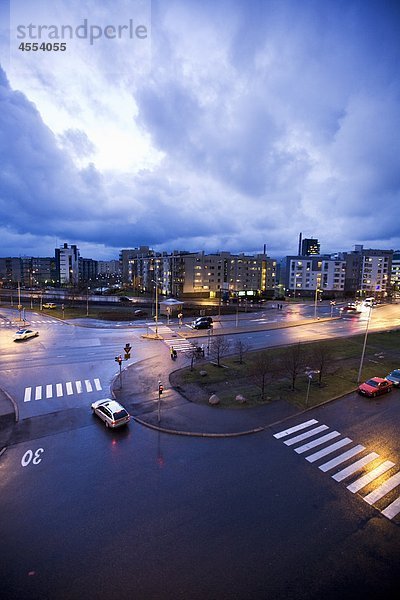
column 217, row 127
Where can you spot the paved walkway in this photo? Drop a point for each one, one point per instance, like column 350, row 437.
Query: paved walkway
column 179, row 415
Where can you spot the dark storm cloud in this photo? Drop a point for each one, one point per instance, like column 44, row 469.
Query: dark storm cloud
column 267, row 117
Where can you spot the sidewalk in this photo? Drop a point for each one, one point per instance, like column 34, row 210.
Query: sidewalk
column 180, row 416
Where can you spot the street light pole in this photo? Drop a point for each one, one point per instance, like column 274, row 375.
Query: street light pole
column 364, row 345
column 87, row 301
column 156, row 308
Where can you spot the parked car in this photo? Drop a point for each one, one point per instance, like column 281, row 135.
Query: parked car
column 394, row 377
column 140, row 313
column 202, row 323
column 375, row 386
column 49, row 305
column 25, row 334
column 111, row 412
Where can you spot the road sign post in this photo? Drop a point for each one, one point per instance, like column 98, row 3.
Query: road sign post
column 118, row 359
column 160, row 391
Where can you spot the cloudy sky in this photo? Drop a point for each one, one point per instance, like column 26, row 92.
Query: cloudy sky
column 217, row 125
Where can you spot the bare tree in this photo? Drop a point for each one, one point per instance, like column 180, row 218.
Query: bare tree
column 242, row 347
column 219, row 347
column 294, row 362
column 263, row 370
column 320, row 358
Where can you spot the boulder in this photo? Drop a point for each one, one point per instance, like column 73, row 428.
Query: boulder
column 240, row 399
column 214, row 400
column 203, row 373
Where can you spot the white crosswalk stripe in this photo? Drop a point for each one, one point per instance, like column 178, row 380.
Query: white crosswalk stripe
column 180, row 344
column 59, row 390
column 361, row 465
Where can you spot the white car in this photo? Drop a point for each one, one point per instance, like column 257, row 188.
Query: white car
column 111, row 412
column 25, row 334
column 49, row 305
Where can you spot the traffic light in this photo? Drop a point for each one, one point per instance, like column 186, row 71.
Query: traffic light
column 118, row 359
column 160, row 388
column 127, row 350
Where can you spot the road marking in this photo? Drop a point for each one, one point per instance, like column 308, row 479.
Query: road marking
column 383, row 489
column 313, row 457
column 341, row 458
column 50, row 389
column 294, row 429
column 317, row 442
column 374, row 474
column 304, row 436
column 392, row 510
column 355, row 466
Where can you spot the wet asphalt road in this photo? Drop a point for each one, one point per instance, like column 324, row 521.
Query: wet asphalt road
column 86, row 512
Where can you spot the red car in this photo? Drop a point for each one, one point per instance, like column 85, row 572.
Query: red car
column 375, row 386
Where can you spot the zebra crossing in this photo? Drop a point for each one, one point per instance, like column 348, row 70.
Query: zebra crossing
column 356, row 473
column 57, row 390
column 11, row 324
column 180, row 344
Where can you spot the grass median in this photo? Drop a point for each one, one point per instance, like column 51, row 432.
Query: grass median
column 338, row 376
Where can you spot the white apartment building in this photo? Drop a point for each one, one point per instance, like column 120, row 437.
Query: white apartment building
column 67, row 264
column 307, row 274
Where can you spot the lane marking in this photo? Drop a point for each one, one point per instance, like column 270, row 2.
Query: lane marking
column 69, row 389
column 355, row 466
column 38, row 392
column 49, row 391
column 383, row 489
column 286, row 432
column 28, row 393
column 341, row 458
column 78, row 386
column 88, row 385
column 97, row 384
column 368, row 477
column 317, row 442
column 307, row 434
column 313, row 457
column 59, row 391
column 392, row 510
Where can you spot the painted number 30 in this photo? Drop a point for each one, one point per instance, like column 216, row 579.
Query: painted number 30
column 33, row 457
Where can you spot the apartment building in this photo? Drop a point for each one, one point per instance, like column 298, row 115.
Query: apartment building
column 368, row 271
column 306, row 274
column 67, row 264
column 395, row 272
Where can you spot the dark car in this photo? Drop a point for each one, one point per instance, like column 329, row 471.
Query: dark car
column 375, row 386
column 202, row 323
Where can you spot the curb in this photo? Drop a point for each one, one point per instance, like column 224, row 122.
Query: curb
column 15, row 405
column 197, row 433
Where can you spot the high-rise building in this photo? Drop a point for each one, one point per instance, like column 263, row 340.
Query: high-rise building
column 67, row 264
column 310, row 247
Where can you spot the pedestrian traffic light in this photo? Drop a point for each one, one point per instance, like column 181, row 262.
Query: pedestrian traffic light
column 127, row 350
column 160, row 388
column 118, row 359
